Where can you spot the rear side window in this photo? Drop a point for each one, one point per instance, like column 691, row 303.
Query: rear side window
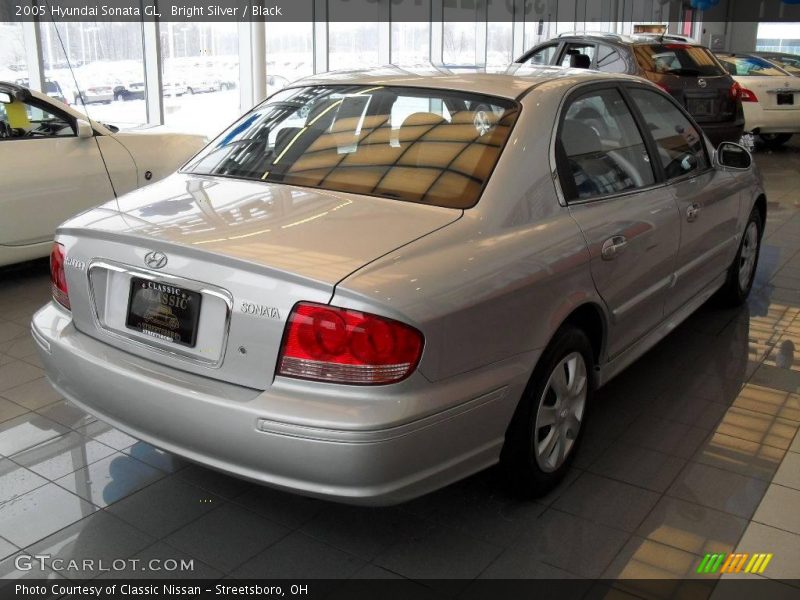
column 677, row 59
column 609, row 60
column 602, row 148
column 680, row 144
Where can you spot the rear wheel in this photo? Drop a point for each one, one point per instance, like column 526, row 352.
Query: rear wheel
column 545, row 432
column 742, row 271
column 774, row 140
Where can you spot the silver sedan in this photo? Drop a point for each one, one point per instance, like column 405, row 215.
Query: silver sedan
column 377, row 283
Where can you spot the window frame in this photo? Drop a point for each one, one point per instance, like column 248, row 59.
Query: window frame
column 562, row 169
column 558, row 158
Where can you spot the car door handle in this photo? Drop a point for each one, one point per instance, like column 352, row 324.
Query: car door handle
column 692, row 212
column 613, row 246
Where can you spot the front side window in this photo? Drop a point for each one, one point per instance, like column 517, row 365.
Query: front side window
column 430, row 146
column 677, row 59
column 31, row 119
column 604, row 153
column 680, row 144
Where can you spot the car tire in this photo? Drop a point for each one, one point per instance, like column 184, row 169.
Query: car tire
column 774, row 140
column 742, row 271
column 545, row 432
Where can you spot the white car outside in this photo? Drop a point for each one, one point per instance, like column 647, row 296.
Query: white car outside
column 58, row 163
column 770, row 97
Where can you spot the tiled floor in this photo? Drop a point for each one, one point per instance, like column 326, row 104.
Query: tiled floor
column 693, row 450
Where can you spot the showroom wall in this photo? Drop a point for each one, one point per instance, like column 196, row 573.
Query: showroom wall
column 200, row 75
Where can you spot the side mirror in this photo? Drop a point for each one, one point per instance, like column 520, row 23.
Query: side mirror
column 733, row 156
column 84, row 129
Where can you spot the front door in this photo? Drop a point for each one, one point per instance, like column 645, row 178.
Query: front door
column 708, row 202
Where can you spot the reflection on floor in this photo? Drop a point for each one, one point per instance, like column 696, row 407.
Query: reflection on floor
column 694, row 450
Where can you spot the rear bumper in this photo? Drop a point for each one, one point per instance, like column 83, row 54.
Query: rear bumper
column 759, row 120
column 723, row 132
column 225, row 426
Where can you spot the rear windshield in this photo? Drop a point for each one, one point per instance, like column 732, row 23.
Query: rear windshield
column 437, row 147
column 750, row 66
column 677, row 59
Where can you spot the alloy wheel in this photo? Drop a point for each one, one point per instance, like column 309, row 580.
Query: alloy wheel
column 560, row 412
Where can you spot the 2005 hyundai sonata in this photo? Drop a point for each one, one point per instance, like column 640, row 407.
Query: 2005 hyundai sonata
column 374, row 284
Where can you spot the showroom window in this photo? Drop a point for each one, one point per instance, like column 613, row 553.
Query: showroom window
column 13, row 63
column 200, row 75
column 97, row 68
column 290, row 53
column 353, row 45
column 411, row 43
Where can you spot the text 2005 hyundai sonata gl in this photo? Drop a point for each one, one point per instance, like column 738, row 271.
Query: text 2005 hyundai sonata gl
column 374, row 284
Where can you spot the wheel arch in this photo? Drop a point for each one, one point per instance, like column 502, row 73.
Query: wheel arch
column 591, row 319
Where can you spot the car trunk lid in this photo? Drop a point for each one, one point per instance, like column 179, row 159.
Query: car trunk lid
column 245, row 252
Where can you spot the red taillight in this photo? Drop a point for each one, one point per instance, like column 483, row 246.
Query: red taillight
column 58, row 279
column 748, row 95
column 663, row 87
column 735, row 91
column 326, row 343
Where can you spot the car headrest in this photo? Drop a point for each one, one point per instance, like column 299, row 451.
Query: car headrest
column 578, row 138
column 580, row 61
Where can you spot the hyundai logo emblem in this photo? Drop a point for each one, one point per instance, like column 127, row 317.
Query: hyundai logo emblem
column 702, row 83
column 155, row 259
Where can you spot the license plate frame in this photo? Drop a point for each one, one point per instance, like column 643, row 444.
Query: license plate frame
column 785, row 99
column 163, row 311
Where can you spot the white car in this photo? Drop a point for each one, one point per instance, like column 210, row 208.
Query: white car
column 770, row 97
column 57, row 163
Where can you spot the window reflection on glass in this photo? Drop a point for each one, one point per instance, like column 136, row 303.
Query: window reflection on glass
column 411, row 43
column 290, row 53
column 97, row 68
column 200, row 75
column 13, row 63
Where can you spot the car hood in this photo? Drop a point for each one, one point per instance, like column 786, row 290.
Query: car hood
column 319, row 234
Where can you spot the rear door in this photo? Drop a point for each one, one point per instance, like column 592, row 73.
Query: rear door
column 707, row 200
column 629, row 220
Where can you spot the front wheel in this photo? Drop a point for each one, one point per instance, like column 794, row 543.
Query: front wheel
column 545, row 431
column 742, row 271
column 774, row 140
